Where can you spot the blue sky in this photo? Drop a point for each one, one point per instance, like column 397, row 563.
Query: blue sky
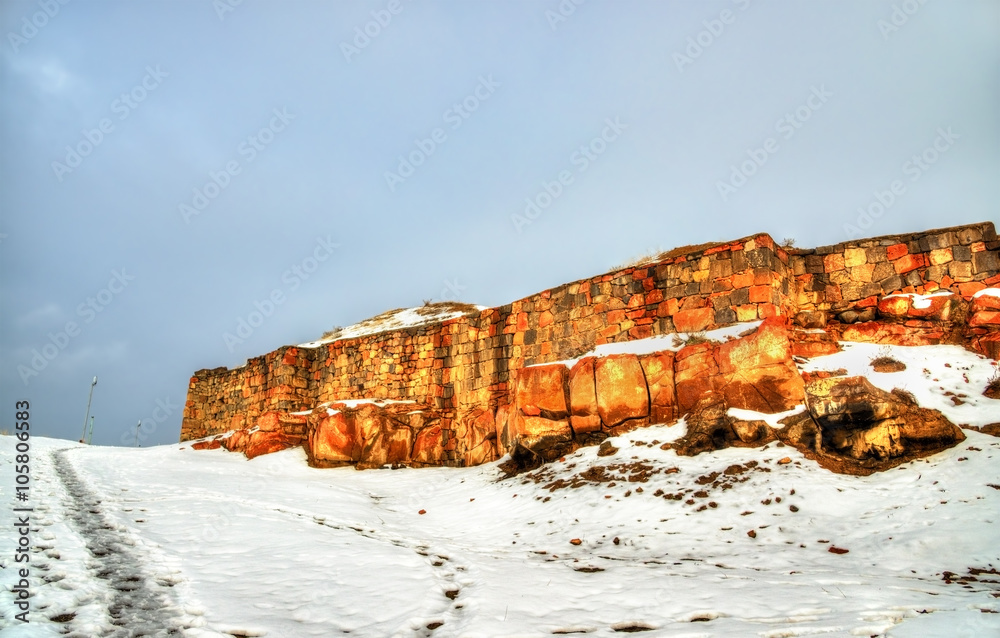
column 167, row 167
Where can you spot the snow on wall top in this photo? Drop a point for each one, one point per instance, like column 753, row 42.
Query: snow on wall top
column 398, row 319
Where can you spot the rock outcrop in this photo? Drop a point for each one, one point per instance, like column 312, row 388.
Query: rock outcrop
column 525, row 379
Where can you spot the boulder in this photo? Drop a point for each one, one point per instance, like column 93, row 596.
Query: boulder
column 621, row 389
column 428, row 447
column 539, row 420
column 757, row 370
column 260, row 443
column 213, row 444
column 940, row 306
column 542, row 389
column 695, row 375
column 253, row 443
column 476, row 434
column 332, row 439
column 583, row 415
column 547, row 438
column 385, row 440
column 658, row 369
column 709, row 428
column 859, row 421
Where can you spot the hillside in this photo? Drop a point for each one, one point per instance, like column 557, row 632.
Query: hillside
column 739, row 542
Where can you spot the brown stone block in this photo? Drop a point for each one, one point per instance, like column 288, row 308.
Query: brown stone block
column 862, row 273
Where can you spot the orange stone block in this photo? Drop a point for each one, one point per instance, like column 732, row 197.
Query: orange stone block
column 907, row 263
column 694, row 320
column 970, row 288
column 833, row 262
column 760, row 294
column 896, row 251
column 545, row 319
column 766, row 310
column 985, row 318
column 743, row 279
column 616, row 316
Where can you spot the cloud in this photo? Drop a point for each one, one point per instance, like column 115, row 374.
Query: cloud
column 49, row 313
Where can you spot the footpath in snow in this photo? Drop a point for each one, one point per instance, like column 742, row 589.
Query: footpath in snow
column 169, row 541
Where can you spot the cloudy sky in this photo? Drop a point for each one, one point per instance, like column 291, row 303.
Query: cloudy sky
column 170, row 167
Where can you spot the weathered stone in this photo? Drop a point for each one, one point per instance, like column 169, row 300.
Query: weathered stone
column 693, row 320
column 709, row 428
column 621, row 389
column 936, row 307
column 476, row 433
column 546, row 438
column 695, row 372
column 543, row 387
column 658, row 369
column 811, row 319
column 757, row 371
column 428, row 447
column 584, row 417
column 332, row 439
column 862, row 422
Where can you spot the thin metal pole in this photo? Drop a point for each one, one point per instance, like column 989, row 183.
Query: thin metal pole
column 91, row 435
column 138, row 425
column 87, row 417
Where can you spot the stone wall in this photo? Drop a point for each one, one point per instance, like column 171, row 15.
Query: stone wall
column 467, row 363
column 855, row 274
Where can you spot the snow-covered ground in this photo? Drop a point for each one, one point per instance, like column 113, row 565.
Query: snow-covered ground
column 732, row 543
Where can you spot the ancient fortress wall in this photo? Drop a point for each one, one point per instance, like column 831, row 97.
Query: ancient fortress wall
column 466, row 362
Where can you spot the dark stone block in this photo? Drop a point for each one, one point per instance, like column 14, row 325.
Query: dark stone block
column 739, row 261
column 968, row 236
column 882, row 271
column 725, row 315
column 760, row 258
column 722, row 301
column 719, row 269
column 891, row 284
column 740, row 296
column 814, row 264
column 985, row 262
column 875, row 254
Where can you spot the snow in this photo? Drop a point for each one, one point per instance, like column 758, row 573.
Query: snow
column 946, row 378
column 988, row 292
column 397, row 320
column 661, row 343
column 772, row 419
column 350, row 403
column 216, row 546
column 921, row 301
